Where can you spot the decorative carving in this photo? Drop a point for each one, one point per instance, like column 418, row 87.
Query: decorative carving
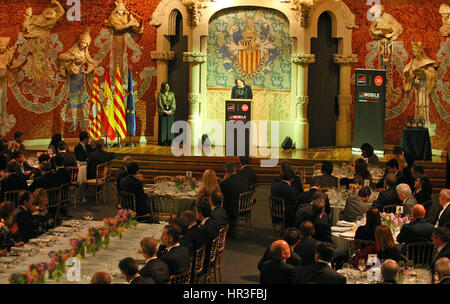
column 444, row 10
column 345, row 100
column 303, row 59
column 121, row 19
column 345, row 58
column 194, row 8
column 302, row 10
column 194, row 98
column 347, row 15
column 384, row 25
column 164, row 56
column 40, row 26
column 194, row 57
column 302, row 101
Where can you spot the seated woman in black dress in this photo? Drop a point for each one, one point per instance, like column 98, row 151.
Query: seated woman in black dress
column 386, row 245
column 241, row 90
column 367, row 232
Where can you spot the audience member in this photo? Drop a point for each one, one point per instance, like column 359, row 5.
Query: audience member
column 9, row 231
column 17, row 145
column 44, row 157
column 386, row 245
column 210, row 183
column 218, row 213
column 97, row 157
column 27, row 219
column 362, row 173
column 388, row 196
column 122, row 171
column 357, row 206
column 417, row 171
column 130, row 272
column 170, row 252
column 313, row 193
column 444, row 215
column 322, row 228
column 24, row 168
column 83, row 149
column 441, row 245
column 306, row 249
column 193, row 238
column 326, row 179
column 286, row 166
column 247, row 172
column 209, row 227
column 101, row 277
column 405, row 158
column 47, row 217
column 442, row 268
column 417, row 230
column 305, row 212
column 154, row 268
column 389, row 271
column 405, row 195
column 133, row 184
column 367, row 152
column 57, row 137
column 3, row 154
column 47, row 180
column 367, row 231
column 63, row 151
column 276, row 270
column 292, row 238
column 284, row 190
column 14, row 181
column 423, row 189
column 62, row 174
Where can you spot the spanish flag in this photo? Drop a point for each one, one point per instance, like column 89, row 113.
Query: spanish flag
column 108, row 109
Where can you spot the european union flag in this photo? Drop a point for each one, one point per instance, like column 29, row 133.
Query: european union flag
column 131, row 113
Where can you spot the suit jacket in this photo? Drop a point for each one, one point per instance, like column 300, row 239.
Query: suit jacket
column 306, row 250
column 69, row 160
column 81, row 154
column 276, row 271
column 142, row 280
column 248, row 94
column 422, row 196
column 193, row 239
column 354, row 207
column 322, row 230
column 210, row 229
column 121, row 174
column 417, row 231
column 444, row 253
column 249, row 174
column 305, row 214
column 29, row 224
column 392, row 253
column 231, row 188
column 444, row 220
column 408, row 205
column 445, row 281
column 26, row 167
column 156, row 269
column 365, row 233
column 320, row 273
column 132, row 185
column 387, row 197
column 306, row 198
column 62, row 176
column 293, row 260
column 177, row 258
column 46, row 181
column 97, row 157
column 11, row 183
column 326, row 180
column 290, row 196
column 220, row 216
column 296, row 183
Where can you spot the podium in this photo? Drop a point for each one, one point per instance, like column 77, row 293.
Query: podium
column 237, row 110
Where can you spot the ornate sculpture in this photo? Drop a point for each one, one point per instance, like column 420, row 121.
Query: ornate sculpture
column 384, row 25
column 444, row 10
column 40, row 26
column 194, row 8
column 121, row 19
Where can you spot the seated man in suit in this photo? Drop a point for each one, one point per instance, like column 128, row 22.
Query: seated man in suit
column 122, row 172
column 313, row 193
column 292, row 237
column 440, row 240
column 356, row 206
column 218, row 213
column 62, row 175
column 83, row 149
column 418, row 230
column 209, row 227
column 305, row 213
column 389, row 272
column 97, row 157
column 17, row 145
column 177, row 257
column 321, row 272
column 388, row 196
column 405, row 195
column 232, row 186
column 63, row 151
column 47, row 180
column 442, row 268
column 276, row 270
column 444, row 215
column 247, row 171
column 322, row 229
column 101, row 278
column 286, row 166
column 133, row 184
column 326, row 179
column 27, row 219
column 306, row 249
column 194, row 238
column 393, row 167
column 288, row 194
column 154, row 268
column 130, row 272
column 24, row 168
column 14, row 181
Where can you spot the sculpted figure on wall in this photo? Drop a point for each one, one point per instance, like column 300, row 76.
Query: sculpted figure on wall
column 40, row 25
column 121, row 19
column 444, row 10
column 421, row 67
column 384, row 25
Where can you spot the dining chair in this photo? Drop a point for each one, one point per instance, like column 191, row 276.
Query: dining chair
column 211, row 265
column 245, row 206
column 198, row 264
column 182, row 278
column 127, row 200
column 99, row 183
column 74, row 182
column 163, row 178
column 115, row 195
column 277, row 209
column 54, row 203
column 420, row 253
column 66, row 194
column 11, row 196
column 220, row 250
column 162, row 209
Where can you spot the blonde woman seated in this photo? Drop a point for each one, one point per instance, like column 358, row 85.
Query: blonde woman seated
column 210, row 183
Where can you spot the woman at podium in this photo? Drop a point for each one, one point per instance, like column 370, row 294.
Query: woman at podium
column 241, row 90
column 166, row 110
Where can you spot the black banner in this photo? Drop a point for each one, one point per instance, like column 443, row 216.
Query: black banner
column 237, row 111
column 370, row 108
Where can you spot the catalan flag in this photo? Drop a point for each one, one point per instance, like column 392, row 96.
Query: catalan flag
column 108, row 109
column 120, row 119
column 95, row 127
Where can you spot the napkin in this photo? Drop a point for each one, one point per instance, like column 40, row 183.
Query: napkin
column 340, row 229
column 345, row 224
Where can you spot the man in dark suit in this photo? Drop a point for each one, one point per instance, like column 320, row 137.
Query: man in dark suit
column 389, row 196
column 306, row 249
column 442, row 267
column 326, row 179
column 288, row 194
column 247, row 171
column 24, row 168
column 69, row 158
column 83, row 149
column 130, row 271
column 444, row 215
column 441, row 245
column 313, row 193
column 286, row 166
column 177, row 257
column 357, row 206
column 154, row 268
column 47, row 180
column 232, row 186
column 133, row 184
column 418, row 230
column 305, row 213
column 276, row 270
column 209, row 227
column 62, row 175
column 97, row 157
column 322, row 229
column 321, row 272
column 194, row 238
column 218, row 213
column 18, row 145
column 27, row 219
column 292, row 237
column 122, row 171
column 14, row 181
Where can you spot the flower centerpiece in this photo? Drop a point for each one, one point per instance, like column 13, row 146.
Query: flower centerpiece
column 185, row 183
column 57, row 266
column 23, row 278
column 78, row 246
column 393, row 222
column 38, row 272
column 352, row 191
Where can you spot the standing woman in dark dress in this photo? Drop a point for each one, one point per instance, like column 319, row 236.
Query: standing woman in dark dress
column 241, row 90
column 166, row 110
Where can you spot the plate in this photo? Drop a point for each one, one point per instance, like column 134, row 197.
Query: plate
column 345, row 224
column 340, row 229
column 348, row 234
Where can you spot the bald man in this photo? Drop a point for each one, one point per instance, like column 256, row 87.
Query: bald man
column 277, row 271
column 418, row 230
column 389, row 272
column 444, row 216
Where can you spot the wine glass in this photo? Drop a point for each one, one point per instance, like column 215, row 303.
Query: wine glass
column 361, row 266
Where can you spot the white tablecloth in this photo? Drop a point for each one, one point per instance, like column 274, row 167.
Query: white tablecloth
column 82, row 174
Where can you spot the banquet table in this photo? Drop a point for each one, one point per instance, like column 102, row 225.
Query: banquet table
column 410, row 276
column 106, row 259
column 164, row 198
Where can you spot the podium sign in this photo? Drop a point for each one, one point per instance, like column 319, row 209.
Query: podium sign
column 370, row 108
column 237, row 110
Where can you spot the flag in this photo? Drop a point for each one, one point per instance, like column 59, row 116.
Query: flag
column 119, row 107
column 131, row 113
column 95, row 127
column 108, row 109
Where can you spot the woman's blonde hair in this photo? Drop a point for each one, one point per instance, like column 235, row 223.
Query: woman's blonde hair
column 209, row 180
column 383, row 237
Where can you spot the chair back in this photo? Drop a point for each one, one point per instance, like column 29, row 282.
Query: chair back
column 54, row 197
column 276, row 206
column 199, row 260
column 163, row 178
column 115, row 194
column 11, row 196
column 127, row 200
column 66, row 194
column 214, row 249
column 162, row 209
column 74, row 171
column 182, row 278
column 246, row 201
column 103, row 172
column 421, row 253
column 222, row 239
column 390, row 208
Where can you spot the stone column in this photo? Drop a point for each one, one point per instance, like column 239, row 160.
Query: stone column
column 344, row 124
column 301, row 99
column 162, row 59
column 194, row 119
